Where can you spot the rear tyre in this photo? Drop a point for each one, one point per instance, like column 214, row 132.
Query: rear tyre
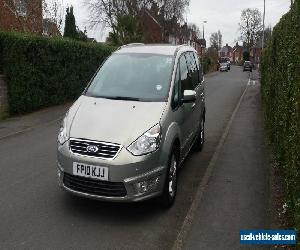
column 170, row 187
column 199, row 143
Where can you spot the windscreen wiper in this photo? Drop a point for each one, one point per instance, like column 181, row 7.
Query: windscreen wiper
column 126, row 98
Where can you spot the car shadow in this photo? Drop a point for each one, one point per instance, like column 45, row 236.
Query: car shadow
column 112, row 212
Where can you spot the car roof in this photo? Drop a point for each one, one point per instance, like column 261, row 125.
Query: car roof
column 161, row 49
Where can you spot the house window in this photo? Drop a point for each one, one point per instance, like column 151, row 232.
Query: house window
column 21, row 7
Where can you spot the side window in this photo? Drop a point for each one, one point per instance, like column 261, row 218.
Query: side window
column 193, row 69
column 186, row 81
column 199, row 67
column 176, row 90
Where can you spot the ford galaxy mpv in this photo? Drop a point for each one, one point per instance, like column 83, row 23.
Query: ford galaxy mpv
column 131, row 129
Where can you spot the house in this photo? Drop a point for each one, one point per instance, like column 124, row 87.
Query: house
column 92, row 40
column 152, row 28
column 255, row 52
column 171, row 32
column 50, row 28
column 237, row 53
column 21, row 15
column 226, row 51
column 188, row 36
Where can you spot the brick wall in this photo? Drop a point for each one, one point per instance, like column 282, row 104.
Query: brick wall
column 32, row 22
column 3, row 97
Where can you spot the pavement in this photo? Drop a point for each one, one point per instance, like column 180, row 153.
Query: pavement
column 237, row 195
column 36, row 214
column 24, row 123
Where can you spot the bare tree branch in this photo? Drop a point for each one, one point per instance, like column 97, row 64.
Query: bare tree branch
column 250, row 26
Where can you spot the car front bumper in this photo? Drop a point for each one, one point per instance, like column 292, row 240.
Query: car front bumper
column 132, row 171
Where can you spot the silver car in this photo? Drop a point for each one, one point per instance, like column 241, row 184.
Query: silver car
column 224, row 66
column 128, row 133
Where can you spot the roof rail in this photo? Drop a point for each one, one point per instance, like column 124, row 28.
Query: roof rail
column 179, row 47
column 131, row 45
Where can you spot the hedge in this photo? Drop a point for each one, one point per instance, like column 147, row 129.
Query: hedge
column 280, row 75
column 45, row 71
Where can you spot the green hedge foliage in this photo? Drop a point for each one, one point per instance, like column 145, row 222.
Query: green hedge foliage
column 280, row 72
column 45, row 71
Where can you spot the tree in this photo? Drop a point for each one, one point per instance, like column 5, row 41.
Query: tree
column 82, row 35
column 127, row 31
column 70, row 24
column 268, row 35
column 250, row 26
column 246, row 56
column 105, row 13
column 216, row 40
column 71, row 30
column 54, row 11
column 195, row 29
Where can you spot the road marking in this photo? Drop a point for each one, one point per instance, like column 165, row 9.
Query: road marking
column 251, row 83
column 186, row 226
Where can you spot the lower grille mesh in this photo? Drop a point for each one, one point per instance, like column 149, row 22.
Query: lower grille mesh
column 94, row 187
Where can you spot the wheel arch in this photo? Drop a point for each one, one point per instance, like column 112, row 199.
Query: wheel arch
column 172, row 138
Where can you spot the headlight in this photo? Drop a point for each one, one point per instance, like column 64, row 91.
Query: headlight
column 147, row 143
column 62, row 135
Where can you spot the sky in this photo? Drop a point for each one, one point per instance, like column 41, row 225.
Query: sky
column 223, row 15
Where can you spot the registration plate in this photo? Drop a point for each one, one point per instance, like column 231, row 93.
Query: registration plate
column 90, row 171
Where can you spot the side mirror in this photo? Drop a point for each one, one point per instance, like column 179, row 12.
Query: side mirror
column 189, row 96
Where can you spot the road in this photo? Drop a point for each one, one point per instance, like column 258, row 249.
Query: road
column 36, row 214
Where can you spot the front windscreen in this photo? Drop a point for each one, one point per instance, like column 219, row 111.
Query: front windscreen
column 143, row 77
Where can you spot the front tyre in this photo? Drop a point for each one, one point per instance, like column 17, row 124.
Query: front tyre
column 170, row 187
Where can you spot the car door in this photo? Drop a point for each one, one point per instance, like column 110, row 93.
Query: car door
column 196, row 85
column 188, row 108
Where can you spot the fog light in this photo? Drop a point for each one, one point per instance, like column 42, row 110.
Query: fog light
column 147, row 185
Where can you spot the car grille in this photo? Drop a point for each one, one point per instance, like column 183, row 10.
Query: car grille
column 94, row 187
column 104, row 150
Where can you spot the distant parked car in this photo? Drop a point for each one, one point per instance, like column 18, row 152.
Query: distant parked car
column 247, row 66
column 228, row 64
column 224, row 66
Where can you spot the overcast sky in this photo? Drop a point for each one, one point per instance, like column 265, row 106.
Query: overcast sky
column 219, row 14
